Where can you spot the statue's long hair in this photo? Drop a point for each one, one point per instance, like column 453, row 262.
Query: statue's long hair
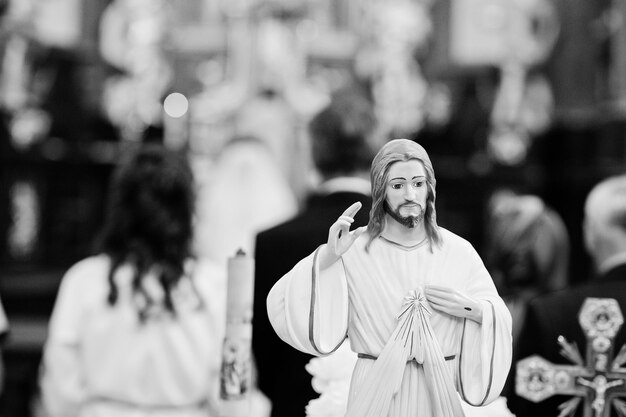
column 149, row 222
column 399, row 150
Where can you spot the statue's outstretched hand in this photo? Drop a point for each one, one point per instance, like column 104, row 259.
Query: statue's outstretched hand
column 453, row 302
column 340, row 238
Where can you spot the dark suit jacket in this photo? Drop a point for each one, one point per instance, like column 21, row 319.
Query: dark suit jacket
column 555, row 314
column 281, row 373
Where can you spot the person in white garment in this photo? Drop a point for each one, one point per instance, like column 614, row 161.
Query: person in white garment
column 414, row 299
column 137, row 329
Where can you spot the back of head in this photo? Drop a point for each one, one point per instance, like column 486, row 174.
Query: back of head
column 151, row 204
column 150, row 214
column 527, row 245
column 605, row 219
column 341, row 135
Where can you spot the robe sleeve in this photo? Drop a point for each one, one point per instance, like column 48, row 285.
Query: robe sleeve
column 486, row 348
column 308, row 308
column 61, row 382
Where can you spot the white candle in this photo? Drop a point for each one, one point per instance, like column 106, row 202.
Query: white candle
column 236, row 375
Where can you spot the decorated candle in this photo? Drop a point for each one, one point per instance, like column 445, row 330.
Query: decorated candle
column 235, row 375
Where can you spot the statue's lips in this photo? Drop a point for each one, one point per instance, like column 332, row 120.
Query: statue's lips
column 410, row 206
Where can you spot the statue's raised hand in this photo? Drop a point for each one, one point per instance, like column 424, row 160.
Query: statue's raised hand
column 340, row 238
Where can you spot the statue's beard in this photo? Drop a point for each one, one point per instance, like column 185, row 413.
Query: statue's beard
column 406, row 221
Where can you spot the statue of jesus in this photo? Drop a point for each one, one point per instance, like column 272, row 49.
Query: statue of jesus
column 414, row 299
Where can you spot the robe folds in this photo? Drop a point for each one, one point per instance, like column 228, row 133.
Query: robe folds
column 412, row 358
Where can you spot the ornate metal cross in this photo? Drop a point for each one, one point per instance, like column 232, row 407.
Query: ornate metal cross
column 599, row 380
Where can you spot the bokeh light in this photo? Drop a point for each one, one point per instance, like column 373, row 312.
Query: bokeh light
column 176, row 105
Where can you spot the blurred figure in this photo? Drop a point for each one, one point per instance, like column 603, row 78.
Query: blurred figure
column 342, row 152
column 245, row 192
column 552, row 315
column 527, row 250
column 137, row 329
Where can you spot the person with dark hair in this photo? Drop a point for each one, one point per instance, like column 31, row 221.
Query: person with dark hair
column 341, row 148
column 342, row 137
column 414, row 299
column 137, row 328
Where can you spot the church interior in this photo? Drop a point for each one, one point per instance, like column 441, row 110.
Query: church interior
column 528, row 96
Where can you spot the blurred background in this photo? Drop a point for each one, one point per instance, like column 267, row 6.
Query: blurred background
column 524, row 95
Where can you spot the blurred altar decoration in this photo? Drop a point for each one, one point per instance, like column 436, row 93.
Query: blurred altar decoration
column 29, row 28
column 397, row 37
column 230, row 59
column 247, row 64
column 524, row 105
column 517, row 38
column 276, row 65
column 25, row 222
column 132, row 34
column 29, row 31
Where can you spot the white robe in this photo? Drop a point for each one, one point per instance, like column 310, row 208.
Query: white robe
column 361, row 296
column 100, row 361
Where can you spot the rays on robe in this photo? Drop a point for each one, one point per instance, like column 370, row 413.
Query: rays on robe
column 412, row 340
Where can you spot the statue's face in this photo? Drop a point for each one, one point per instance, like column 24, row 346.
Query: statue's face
column 406, row 192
